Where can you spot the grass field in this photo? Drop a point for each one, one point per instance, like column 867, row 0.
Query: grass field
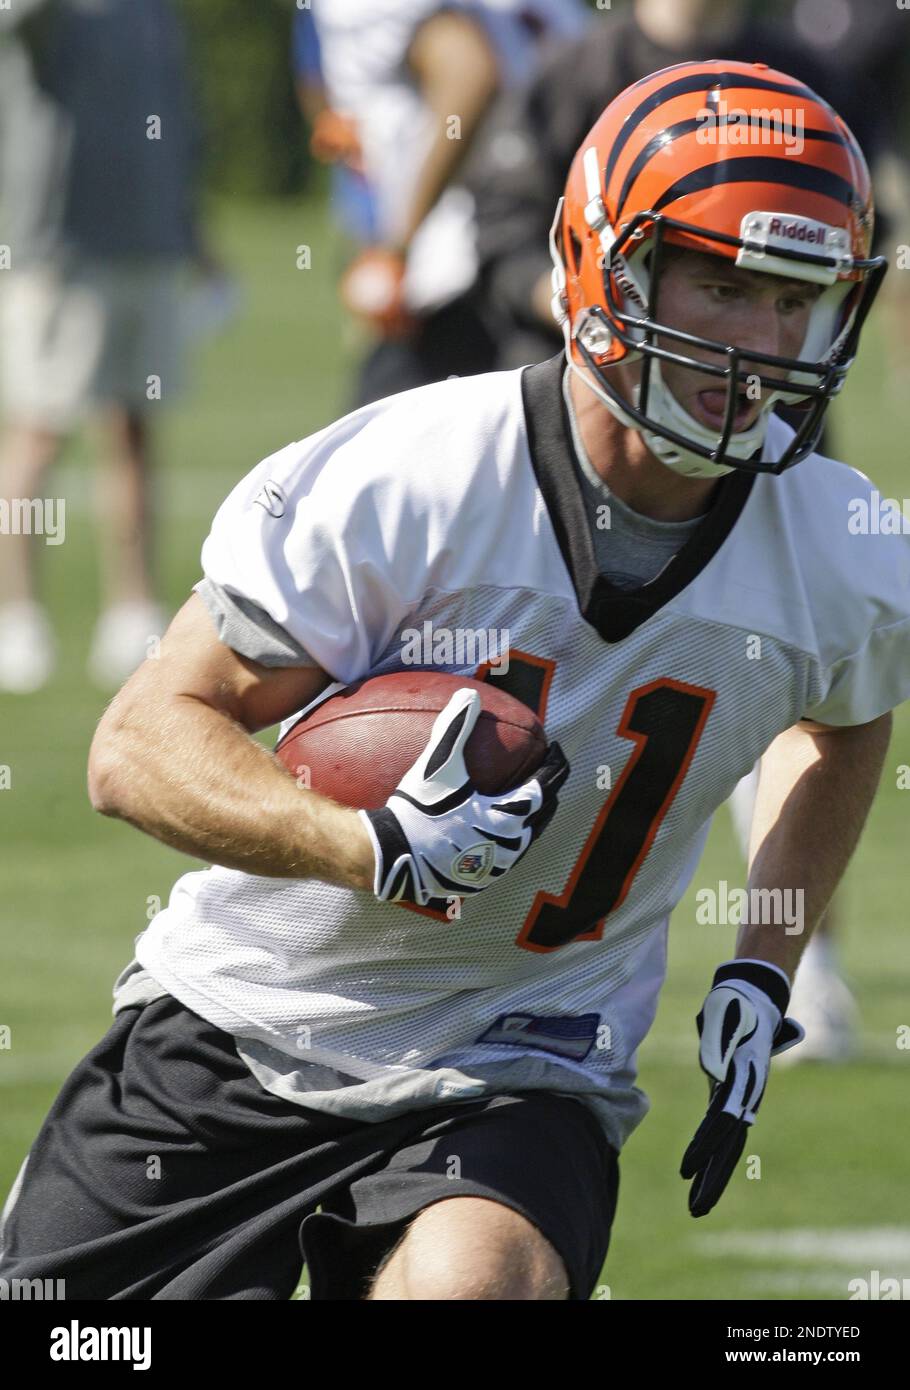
column 834, row 1143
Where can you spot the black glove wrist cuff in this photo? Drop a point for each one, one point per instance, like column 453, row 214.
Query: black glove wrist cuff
column 763, row 977
column 389, row 833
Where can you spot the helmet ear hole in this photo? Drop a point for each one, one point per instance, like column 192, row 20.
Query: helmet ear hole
column 574, row 250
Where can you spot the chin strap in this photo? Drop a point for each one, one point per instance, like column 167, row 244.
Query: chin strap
column 674, row 456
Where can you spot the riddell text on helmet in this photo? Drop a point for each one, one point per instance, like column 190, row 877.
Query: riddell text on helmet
column 798, row 231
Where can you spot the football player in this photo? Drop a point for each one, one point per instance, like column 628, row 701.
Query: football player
column 452, row 1085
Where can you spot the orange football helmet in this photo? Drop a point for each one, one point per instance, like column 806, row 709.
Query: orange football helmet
column 693, row 155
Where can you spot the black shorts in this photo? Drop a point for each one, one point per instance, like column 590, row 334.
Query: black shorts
column 165, row 1171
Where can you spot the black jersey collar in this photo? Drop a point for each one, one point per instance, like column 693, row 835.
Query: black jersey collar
column 615, row 613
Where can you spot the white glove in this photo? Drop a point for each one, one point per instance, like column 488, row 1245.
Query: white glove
column 437, row 837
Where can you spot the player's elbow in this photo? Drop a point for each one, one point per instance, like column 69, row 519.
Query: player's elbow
column 107, row 765
column 102, row 781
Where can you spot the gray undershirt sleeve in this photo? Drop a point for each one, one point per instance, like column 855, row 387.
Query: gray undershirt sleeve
column 249, row 630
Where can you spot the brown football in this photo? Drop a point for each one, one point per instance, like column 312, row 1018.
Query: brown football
column 356, row 746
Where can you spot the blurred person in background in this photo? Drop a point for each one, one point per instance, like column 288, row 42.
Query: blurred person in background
column 406, row 84
column 333, row 136
column 97, row 172
column 517, row 174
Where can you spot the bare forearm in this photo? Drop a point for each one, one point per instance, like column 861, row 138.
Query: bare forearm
column 195, row 779
column 438, row 169
column 458, row 76
column 814, row 796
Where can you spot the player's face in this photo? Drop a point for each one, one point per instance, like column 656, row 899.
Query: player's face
column 708, row 296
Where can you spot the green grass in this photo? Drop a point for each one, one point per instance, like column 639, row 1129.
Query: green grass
column 74, row 888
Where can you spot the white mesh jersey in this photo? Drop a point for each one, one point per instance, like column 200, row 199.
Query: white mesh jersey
column 456, row 505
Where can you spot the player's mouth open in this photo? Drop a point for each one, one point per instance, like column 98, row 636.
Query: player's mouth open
column 712, row 405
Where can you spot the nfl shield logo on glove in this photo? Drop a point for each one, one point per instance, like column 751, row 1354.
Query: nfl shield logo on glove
column 473, row 864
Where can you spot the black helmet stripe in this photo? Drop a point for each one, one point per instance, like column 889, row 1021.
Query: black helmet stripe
column 761, row 169
column 854, row 146
column 698, row 81
column 673, row 132
column 649, row 76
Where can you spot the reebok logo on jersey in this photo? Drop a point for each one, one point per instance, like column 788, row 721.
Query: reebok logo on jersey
column 272, row 497
column 75, row 1343
column 473, row 864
